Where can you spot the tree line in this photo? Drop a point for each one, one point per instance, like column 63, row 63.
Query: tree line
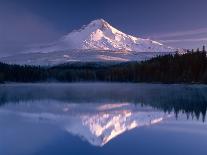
column 190, row 67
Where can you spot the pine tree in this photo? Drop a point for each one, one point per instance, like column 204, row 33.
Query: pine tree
column 197, row 50
column 204, row 49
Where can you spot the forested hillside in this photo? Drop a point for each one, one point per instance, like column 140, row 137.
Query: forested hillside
column 186, row 68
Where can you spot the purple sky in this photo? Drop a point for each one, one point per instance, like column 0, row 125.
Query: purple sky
column 27, row 23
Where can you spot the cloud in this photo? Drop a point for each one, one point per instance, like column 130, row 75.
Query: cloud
column 20, row 28
column 184, row 40
column 182, row 33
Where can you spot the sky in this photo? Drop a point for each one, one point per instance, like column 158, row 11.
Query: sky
column 28, row 23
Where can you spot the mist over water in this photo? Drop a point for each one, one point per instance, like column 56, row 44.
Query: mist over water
column 168, row 98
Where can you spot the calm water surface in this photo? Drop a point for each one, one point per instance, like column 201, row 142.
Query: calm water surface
column 103, row 118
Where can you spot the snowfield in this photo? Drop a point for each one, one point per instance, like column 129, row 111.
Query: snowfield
column 76, row 56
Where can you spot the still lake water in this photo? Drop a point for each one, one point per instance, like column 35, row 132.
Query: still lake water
column 103, row 119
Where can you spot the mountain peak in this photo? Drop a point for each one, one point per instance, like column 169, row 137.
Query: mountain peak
column 100, row 35
column 99, row 21
column 99, row 24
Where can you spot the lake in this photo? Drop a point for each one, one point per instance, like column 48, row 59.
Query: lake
column 103, row 119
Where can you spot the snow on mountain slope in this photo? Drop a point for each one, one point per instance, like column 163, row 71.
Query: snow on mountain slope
column 95, row 42
column 77, row 56
column 100, row 35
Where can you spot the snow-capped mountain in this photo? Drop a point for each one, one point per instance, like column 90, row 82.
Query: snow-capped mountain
column 95, row 123
column 95, row 42
column 100, row 35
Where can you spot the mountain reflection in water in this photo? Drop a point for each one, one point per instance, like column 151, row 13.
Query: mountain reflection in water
column 95, row 123
column 102, row 118
column 178, row 98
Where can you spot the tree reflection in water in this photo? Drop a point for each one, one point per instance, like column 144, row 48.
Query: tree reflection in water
column 188, row 99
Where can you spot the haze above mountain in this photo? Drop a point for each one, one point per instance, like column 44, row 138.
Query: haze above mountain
column 95, row 42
